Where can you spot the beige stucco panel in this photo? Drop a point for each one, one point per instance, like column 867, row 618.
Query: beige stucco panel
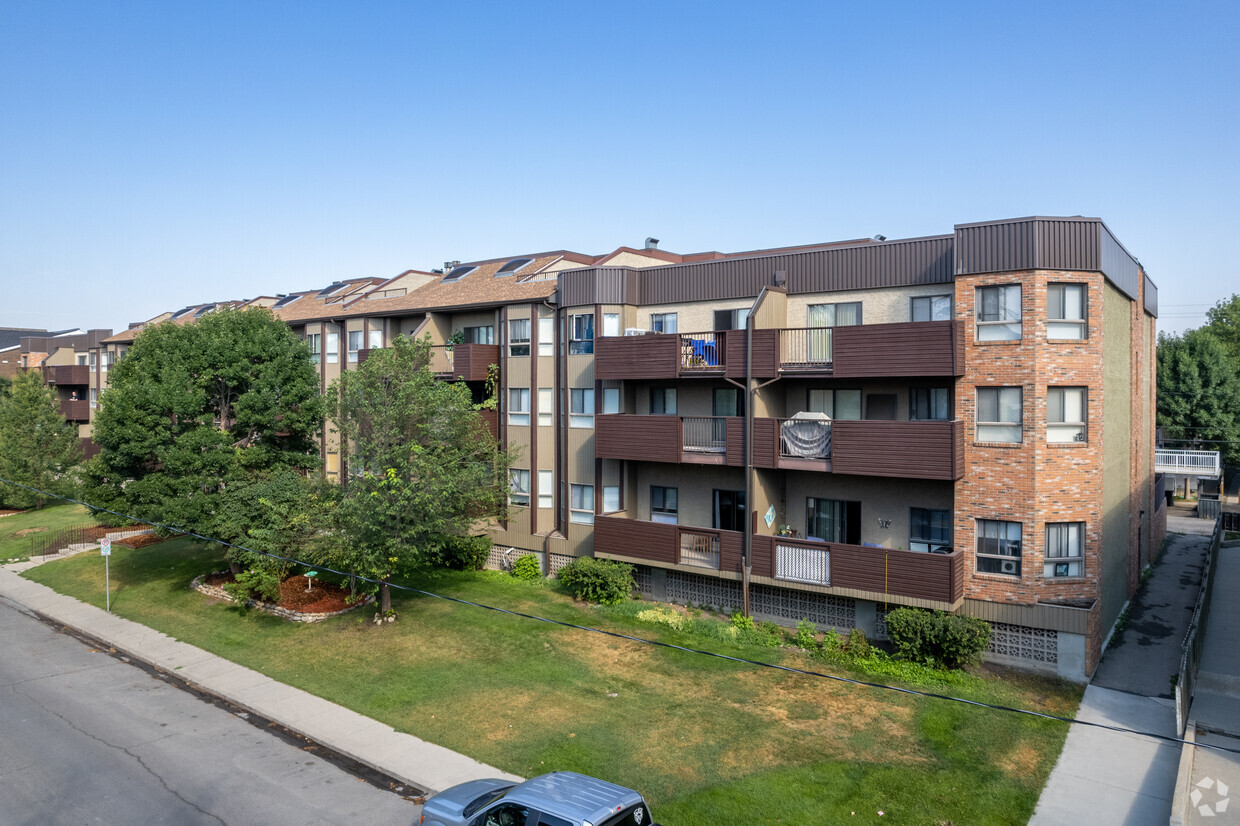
column 883, row 306
column 886, row 499
column 1117, row 432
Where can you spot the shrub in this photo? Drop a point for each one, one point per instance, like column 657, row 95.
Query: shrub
column 527, row 568
column 742, row 622
column 806, row 636
column 937, row 638
column 463, row 553
column 858, row 645
column 255, row 583
column 598, row 580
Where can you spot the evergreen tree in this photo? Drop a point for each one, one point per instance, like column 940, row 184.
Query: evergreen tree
column 37, row 446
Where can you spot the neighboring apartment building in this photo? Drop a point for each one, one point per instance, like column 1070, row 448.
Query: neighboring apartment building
column 962, row 422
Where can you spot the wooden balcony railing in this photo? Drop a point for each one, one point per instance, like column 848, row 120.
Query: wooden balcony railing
column 75, row 411
column 907, row 450
column 907, row 577
column 67, row 374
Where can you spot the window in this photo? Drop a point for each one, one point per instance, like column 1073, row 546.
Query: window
column 929, row 530
column 998, row 547
column 83, row 359
column 581, row 334
column 519, row 337
column 1065, row 311
column 611, row 324
column 546, row 336
column 833, row 520
column 833, row 315
column 664, row 505
column 930, row 404
column 94, row 398
column 376, row 339
column 546, row 407
column 731, row 319
column 998, row 313
column 108, row 357
column 1065, row 549
column 611, row 399
column 729, row 510
column 998, row 414
column 838, row 404
column 932, row 308
column 663, row 401
column 333, row 348
column 480, row 335
column 1065, row 414
column 315, row 340
column 611, row 498
column 546, row 488
column 581, row 504
column 580, row 407
column 355, row 344
column 515, row 265
column 94, row 360
column 663, row 322
column 519, row 406
column 520, row 487
column 457, row 273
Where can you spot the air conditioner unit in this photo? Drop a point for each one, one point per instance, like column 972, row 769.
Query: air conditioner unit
column 1080, row 437
column 1008, row 566
column 636, row 331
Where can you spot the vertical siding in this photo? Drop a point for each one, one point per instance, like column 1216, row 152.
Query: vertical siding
column 1151, row 297
column 1118, row 265
column 765, row 353
column 995, row 247
column 1067, row 244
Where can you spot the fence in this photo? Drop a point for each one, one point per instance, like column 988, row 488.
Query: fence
column 702, row 351
column 699, row 549
column 705, row 434
column 1194, row 640
column 1231, row 521
column 805, row 347
column 48, row 544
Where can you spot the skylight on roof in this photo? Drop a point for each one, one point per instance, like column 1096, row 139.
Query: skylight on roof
column 458, row 273
column 329, row 289
column 284, row 302
column 515, row 265
column 180, row 313
column 204, row 310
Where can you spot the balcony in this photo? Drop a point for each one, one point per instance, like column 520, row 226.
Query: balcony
column 67, row 374
column 662, row 355
column 1201, row 463
column 658, row 542
column 710, row 440
column 75, row 411
column 469, row 362
column 905, row 450
column 881, row 574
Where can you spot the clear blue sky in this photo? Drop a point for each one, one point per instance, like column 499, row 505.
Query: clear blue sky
column 156, row 154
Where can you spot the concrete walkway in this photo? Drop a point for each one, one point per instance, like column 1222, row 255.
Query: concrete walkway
column 407, row 759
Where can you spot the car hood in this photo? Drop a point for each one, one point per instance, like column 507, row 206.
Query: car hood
column 452, row 801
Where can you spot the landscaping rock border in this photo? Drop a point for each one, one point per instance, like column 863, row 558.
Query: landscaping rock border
column 295, row 616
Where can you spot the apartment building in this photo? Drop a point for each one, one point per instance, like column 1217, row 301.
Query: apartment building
column 962, row 421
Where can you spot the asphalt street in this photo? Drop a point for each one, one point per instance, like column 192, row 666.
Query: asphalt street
column 88, row 739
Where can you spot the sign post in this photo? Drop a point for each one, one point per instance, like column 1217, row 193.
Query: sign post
column 105, row 550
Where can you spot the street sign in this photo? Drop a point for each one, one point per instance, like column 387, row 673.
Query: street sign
column 105, row 550
column 105, row 547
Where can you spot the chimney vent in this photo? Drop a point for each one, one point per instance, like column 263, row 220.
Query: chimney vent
column 652, row 243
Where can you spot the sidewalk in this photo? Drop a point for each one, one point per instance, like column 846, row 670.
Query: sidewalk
column 411, row 761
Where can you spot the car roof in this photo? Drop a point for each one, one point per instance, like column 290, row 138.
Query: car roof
column 573, row 796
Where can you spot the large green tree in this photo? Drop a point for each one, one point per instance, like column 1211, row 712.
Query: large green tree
column 37, row 446
column 194, row 409
column 1199, row 393
column 1224, row 323
column 423, row 467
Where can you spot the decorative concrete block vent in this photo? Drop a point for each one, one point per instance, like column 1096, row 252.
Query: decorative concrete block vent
column 782, row 605
column 499, row 559
column 274, row 610
column 1036, row 645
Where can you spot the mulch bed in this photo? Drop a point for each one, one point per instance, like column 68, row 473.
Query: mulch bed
column 324, row 598
column 7, row 512
column 139, row 541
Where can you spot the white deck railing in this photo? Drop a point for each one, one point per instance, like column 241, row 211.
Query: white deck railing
column 1187, row 462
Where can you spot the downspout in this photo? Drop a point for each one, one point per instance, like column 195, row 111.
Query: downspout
column 747, row 538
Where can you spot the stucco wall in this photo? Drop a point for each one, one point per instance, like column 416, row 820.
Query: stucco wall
column 877, row 306
column 1116, row 472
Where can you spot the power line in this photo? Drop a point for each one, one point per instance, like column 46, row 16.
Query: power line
column 659, row 643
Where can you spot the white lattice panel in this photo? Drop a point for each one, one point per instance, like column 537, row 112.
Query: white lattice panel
column 812, row 565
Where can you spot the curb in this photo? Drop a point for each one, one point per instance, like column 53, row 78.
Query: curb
column 1180, row 806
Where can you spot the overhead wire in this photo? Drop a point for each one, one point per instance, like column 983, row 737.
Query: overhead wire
column 658, row 643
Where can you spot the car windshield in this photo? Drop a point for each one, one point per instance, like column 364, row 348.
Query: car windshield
column 477, row 803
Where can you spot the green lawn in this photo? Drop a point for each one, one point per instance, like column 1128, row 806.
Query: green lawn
column 16, row 530
column 708, row 741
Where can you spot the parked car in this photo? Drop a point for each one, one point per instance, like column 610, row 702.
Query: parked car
column 556, row 799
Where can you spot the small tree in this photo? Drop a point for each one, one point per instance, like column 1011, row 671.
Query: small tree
column 37, row 446
column 422, row 466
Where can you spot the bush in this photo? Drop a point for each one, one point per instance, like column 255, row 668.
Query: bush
column 806, row 636
column 463, row 553
column 858, row 645
column 527, row 568
column 937, row 638
column 255, row 583
column 742, row 622
column 598, row 580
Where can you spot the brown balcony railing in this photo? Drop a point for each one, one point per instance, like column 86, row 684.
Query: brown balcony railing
column 464, row 361
column 805, row 348
column 917, row 348
column 75, row 411
column 704, row 434
column 669, row 544
column 67, row 374
column 699, row 549
column 883, row 572
column 702, row 352
column 804, row 438
column 905, row 450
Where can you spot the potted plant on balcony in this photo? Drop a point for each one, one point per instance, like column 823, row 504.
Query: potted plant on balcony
column 786, row 530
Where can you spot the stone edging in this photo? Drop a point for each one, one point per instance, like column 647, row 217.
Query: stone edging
column 275, row 610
